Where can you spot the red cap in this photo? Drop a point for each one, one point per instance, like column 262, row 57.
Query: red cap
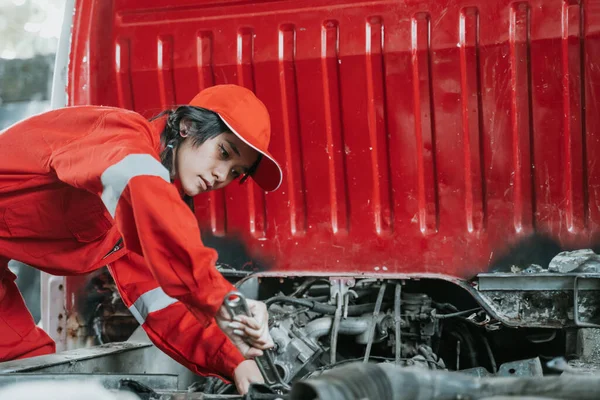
column 248, row 118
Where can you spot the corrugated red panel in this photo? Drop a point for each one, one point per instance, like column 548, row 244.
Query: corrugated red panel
column 416, row 136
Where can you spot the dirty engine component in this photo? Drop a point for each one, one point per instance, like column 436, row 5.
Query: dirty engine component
column 318, row 325
column 387, row 381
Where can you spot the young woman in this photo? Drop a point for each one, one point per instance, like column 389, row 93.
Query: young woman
column 84, row 187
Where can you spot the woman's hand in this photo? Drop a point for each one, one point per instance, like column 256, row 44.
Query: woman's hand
column 249, row 334
column 245, row 374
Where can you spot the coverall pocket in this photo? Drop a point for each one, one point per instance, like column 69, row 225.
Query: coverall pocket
column 87, row 218
column 91, row 228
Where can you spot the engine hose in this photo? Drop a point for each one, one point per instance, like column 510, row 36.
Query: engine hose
column 320, row 307
column 388, row 381
column 319, row 327
column 398, row 322
column 374, row 322
column 490, row 354
column 469, row 344
column 307, row 285
column 337, row 319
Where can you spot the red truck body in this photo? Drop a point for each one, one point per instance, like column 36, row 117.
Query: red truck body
column 417, row 137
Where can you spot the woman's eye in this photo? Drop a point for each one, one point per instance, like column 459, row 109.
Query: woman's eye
column 224, row 152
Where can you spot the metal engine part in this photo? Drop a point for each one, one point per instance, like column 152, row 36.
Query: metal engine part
column 418, row 324
column 297, row 347
column 294, row 349
column 428, row 334
column 387, row 381
column 303, row 338
column 541, row 299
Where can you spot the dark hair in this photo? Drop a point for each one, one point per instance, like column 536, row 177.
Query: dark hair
column 204, row 125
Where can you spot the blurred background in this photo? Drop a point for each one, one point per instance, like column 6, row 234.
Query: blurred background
column 29, row 35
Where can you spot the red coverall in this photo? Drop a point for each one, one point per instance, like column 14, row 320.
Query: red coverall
column 73, row 182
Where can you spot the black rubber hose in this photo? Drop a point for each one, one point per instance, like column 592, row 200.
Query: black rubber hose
column 306, row 285
column 457, row 314
column 387, row 381
column 490, row 354
column 337, row 319
column 374, row 321
column 398, row 321
column 465, row 332
column 320, row 307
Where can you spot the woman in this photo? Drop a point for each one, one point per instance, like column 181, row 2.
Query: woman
column 84, row 187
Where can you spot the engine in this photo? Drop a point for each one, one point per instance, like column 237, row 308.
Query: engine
column 313, row 333
column 320, row 324
column 311, row 336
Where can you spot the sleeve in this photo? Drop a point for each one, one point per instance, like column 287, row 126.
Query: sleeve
column 170, row 325
column 117, row 160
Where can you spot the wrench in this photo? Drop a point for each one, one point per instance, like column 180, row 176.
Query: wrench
column 235, row 302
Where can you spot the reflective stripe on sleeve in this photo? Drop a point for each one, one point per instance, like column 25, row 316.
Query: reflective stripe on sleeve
column 116, row 177
column 151, row 301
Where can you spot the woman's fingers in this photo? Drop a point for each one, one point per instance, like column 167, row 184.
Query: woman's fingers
column 253, row 337
column 250, row 329
column 249, row 321
column 254, row 352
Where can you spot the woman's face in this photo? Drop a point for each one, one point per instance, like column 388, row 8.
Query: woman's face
column 214, row 164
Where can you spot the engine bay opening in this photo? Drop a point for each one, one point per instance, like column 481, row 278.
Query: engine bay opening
column 319, row 324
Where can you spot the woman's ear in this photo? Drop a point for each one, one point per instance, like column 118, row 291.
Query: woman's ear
column 184, row 127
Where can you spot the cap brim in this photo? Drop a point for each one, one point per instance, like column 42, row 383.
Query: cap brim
column 268, row 175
